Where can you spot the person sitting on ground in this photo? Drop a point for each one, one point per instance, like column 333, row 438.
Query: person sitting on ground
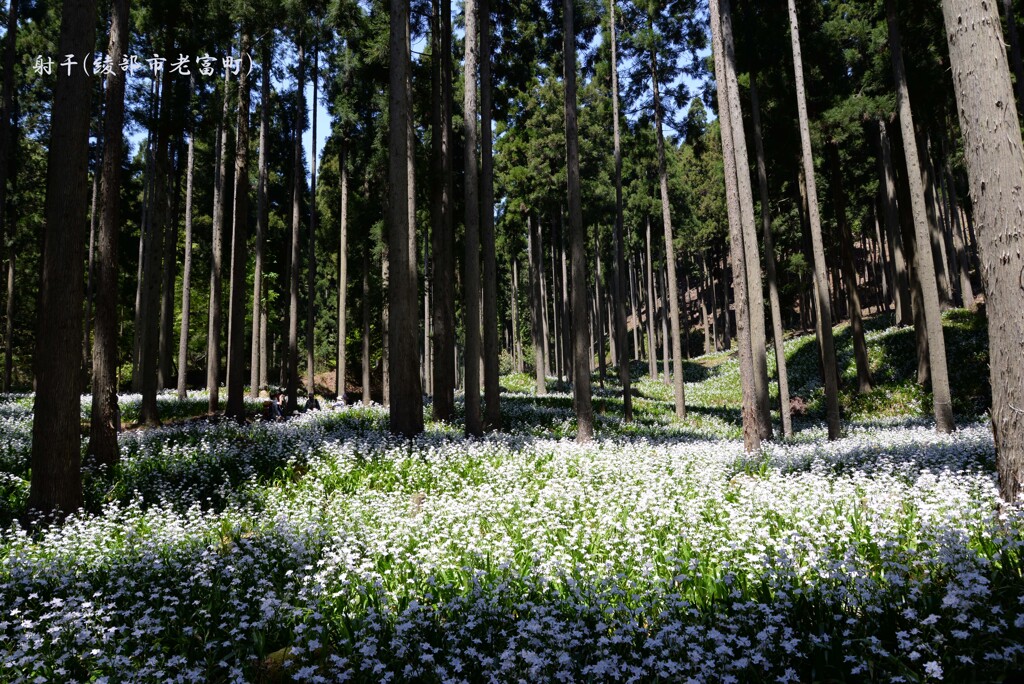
column 312, row 404
column 275, row 407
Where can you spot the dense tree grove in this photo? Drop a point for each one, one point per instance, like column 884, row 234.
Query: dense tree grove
column 581, row 190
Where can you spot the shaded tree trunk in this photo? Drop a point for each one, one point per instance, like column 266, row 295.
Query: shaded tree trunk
column 823, row 308
column 474, row 419
column 239, row 251
column 769, row 258
column 577, row 236
column 257, row 358
column 995, row 162
column 342, row 368
column 104, row 419
column 492, row 396
column 672, row 293
column 537, row 323
column 620, row 273
column 311, row 245
column 217, row 257
column 442, row 234
column 365, row 305
column 901, row 285
column 186, row 277
column 923, row 265
column 298, row 181
column 652, row 361
column 406, row 394
column 56, row 486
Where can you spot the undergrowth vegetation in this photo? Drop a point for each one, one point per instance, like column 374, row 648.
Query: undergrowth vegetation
column 323, row 549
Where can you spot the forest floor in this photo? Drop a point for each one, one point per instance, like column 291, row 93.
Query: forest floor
column 324, row 549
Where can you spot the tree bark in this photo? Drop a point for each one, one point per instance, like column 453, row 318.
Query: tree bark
column 824, row 310
column 678, row 389
column 239, row 250
column 170, row 259
column 578, row 238
column 492, row 396
column 217, row 256
column 342, row 368
column 298, row 183
column 186, row 277
column 311, row 244
column 769, row 258
column 751, row 261
column 537, row 323
column 406, row 394
column 620, row 273
column 995, row 163
column 365, row 305
column 442, row 233
column 104, row 419
column 474, row 420
column 56, row 486
column 904, row 310
column 923, row 265
column 652, row 336
column 258, row 353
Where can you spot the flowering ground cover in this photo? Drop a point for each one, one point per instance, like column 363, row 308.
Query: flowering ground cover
column 323, row 549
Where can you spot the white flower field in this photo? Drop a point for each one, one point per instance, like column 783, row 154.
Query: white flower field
column 322, row 549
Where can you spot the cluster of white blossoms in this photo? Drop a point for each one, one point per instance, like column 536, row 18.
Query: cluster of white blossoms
column 323, row 549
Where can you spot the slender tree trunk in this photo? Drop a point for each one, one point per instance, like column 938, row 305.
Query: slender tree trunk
column 186, row 277
column 91, row 269
column 670, row 251
column 577, row 235
column 474, row 420
column 311, row 245
column 258, row 352
column 342, row 369
column 537, row 326
column 7, row 129
column 824, row 310
column 517, row 352
column 565, row 329
column 239, row 251
column 924, row 266
column 904, row 312
column 442, row 234
column 492, row 396
column 620, row 273
column 860, row 347
column 170, row 273
column 666, row 347
column 56, row 485
column 145, row 227
column 652, row 337
column 598, row 318
column 995, row 162
column 104, row 420
column 545, row 314
column 751, row 261
column 298, row 183
column 217, row 254
column 365, row 306
column 406, row 392
column 962, row 259
column 733, row 171
column 938, row 244
column 769, row 258
column 9, row 324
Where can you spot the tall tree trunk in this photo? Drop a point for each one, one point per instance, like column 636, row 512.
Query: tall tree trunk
column 672, row 294
column 104, row 420
column 298, row 184
column 598, row 319
column 860, row 347
column 769, row 259
column 924, row 266
column 442, row 235
column 546, row 316
column 186, row 277
column 962, row 259
column 406, row 393
column 154, row 262
column 239, row 251
column 938, row 244
column 904, row 312
column 56, row 485
column 537, row 323
column 311, row 244
column 517, row 352
column 492, row 396
column 365, row 306
column 578, row 238
column 824, row 310
column 619, row 272
column 733, row 171
column 217, row 256
column 342, row 368
column 7, row 129
column 751, row 261
column 145, row 226
column 652, row 336
column 564, row 329
column 258, row 352
column 474, row 420
column 995, row 163
column 91, row 269
column 170, row 273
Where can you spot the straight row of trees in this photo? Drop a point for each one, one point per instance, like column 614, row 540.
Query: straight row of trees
column 553, row 180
